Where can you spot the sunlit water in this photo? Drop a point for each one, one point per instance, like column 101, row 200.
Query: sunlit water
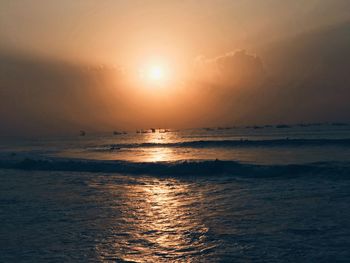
column 79, row 217
column 196, row 144
column 200, row 216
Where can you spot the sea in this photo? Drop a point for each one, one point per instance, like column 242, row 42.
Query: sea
column 274, row 193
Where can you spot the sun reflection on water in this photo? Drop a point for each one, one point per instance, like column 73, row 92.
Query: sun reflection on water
column 157, row 137
column 160, row 221
column 160, row 154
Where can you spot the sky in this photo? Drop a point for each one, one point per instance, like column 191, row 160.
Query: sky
column 84, row 64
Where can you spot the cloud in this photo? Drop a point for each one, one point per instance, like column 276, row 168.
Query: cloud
column 237, row 68
column 229, row 85
column 40, row 96
column 301, row 79
column 310, row 76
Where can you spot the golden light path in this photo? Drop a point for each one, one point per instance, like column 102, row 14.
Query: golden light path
column 164, row 219
column 159, row 154
column 160, row 216
column 155, row 219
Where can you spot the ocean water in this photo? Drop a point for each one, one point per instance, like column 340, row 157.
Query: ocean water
column 259, row 194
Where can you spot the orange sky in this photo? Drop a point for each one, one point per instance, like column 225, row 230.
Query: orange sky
column 82, row 64
column 130, row 32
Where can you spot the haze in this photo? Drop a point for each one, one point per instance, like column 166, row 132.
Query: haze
column 72, row 65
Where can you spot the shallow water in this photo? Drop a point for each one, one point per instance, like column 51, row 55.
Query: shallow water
column 269, row 145
column 222, row 195
column 60, row 216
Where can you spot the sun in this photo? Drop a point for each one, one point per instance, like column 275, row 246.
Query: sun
column 156, row 73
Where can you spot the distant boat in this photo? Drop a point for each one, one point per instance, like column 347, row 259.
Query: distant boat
column 82, row 133
column 153, row 130
column 119, row 133
column 143, row 131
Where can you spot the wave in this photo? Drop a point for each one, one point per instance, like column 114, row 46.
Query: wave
column 230, row 143
column 180, row 168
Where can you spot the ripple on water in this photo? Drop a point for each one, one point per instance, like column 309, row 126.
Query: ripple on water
column 161, row 221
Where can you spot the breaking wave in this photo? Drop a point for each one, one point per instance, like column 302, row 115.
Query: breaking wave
column 230, row 143
column 180, row 168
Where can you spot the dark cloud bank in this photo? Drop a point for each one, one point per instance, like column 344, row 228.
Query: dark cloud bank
column 301, row 79
column 52, row 97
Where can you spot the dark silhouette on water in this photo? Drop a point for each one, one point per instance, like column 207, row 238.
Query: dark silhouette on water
column 119, row 133
column 282, row 126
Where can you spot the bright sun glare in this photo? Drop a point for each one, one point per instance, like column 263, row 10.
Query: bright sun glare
column 156, row 73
